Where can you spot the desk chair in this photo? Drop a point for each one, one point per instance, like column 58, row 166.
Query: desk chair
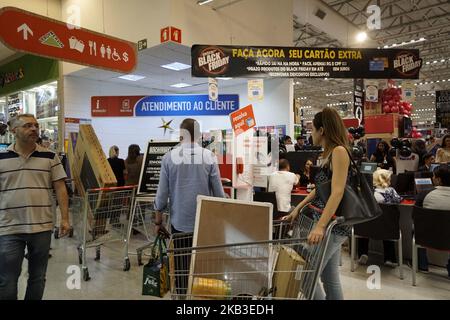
column 267, row 197
column 431, row 230
column 280, row 229
column 385, row 227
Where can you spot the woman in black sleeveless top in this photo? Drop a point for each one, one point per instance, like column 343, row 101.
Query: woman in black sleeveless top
column 330, row 133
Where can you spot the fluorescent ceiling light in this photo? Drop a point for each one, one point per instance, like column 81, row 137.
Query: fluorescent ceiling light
column 202, row 2
column 181, row 85
column 131, row 77
column 177, row 66
column 224, row 78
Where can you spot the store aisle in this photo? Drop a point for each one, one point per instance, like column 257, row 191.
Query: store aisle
column 110, row 282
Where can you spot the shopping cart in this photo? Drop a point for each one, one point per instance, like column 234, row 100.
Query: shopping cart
column 142, row 222
column 104, row 218
column 286, row 268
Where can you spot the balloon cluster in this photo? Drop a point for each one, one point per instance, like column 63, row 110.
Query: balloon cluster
column 392, row 103
column 357, row 133
column 403, row 146
column 415, row 134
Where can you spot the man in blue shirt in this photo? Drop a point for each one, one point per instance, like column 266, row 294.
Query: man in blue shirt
column 186, row 172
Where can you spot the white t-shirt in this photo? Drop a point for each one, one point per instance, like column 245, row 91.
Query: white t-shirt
column 282, row 182
column 438, row 199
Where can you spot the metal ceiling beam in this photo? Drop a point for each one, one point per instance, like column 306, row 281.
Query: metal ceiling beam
column 404, row 11
column 379, row 36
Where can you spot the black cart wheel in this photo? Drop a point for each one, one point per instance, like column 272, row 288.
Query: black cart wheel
column 126, row 265
column 80, row 255
column 86, row 276
column 56, row 233
column 97, row 254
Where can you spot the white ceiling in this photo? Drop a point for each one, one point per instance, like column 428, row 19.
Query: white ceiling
column 158, row 78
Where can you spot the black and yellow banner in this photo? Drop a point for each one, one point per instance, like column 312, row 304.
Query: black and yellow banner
column 295, row 62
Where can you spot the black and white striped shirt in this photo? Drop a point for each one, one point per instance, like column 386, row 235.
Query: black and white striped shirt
column 26, row 188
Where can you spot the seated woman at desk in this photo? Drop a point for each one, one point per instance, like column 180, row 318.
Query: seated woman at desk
column 384, row 193
column 306, row 175
column 443, row 153
column 382, row 157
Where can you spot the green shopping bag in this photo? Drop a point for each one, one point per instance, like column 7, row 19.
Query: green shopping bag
column 155, row 280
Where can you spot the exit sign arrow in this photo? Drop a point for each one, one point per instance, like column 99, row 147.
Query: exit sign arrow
column 26, row 29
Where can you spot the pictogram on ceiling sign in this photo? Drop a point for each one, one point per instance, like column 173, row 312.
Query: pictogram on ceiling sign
column 28, row 32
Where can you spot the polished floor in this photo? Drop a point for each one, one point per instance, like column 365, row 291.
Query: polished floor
column 109, row 281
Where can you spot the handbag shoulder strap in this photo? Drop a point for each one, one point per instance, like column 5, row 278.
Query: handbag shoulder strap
column 352, row 162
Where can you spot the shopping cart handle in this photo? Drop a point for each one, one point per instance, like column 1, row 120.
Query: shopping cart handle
column 340, row 220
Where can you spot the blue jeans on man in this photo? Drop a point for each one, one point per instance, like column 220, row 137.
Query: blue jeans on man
column 12, row 252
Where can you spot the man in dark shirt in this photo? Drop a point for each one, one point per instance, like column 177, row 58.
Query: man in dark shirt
column 300, row 145
column 428, row 159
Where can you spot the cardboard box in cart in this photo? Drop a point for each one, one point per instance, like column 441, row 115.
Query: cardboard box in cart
column 89, row 167
column 288, row 273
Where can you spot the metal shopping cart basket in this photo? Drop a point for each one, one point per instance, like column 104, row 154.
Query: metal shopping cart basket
column 286, row 268
column 142, row 221
column 104, row 218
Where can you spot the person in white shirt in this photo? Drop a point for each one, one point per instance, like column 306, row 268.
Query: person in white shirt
column 282, row 182
column 435, row 199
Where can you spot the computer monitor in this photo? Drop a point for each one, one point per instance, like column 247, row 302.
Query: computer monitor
column 368, row 167
column 434, row 166
column 423, row 184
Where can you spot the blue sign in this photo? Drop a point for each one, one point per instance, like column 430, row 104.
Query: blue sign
column 186, row 105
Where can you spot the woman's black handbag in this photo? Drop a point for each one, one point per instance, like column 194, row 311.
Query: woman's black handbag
column 358, row 203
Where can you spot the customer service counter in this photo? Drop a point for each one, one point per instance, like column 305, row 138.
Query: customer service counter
column 437, row 258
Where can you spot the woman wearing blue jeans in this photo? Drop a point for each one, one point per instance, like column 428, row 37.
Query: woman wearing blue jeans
column 330, row 133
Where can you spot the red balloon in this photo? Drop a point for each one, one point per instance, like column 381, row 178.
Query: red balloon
column 419, row 135
column 401, row 110
column 394, row 109
column 391, row 102
column 386, row 108
column 399, row 91
column 397, row 98
column 407, row 108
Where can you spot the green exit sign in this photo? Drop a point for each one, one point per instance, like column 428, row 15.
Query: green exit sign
column 142, row 44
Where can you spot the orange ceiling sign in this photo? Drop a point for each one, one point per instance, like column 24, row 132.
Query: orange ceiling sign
column 24, row 31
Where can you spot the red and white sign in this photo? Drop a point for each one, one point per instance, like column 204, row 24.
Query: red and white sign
column 170, row 34
column 242, row 120
column 113, row 106
column 24, row 31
